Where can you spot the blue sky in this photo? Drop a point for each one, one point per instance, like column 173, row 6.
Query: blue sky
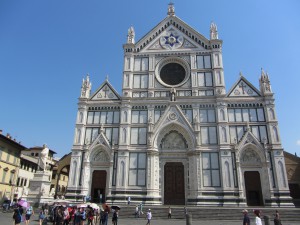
column 47, row 47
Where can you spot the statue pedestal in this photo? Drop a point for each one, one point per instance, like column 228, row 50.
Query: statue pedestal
column 39, row 188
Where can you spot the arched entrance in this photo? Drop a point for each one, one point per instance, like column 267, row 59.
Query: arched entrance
column 253, row 188
column 98, row 186
column 174, row 193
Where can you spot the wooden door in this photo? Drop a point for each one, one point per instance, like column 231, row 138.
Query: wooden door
column 174, row 193
column 253, row 188
column 98, row 186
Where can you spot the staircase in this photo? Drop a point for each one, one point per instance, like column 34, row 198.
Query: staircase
column 209, row 213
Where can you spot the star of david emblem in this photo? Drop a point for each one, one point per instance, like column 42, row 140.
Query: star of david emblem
column 171, row 40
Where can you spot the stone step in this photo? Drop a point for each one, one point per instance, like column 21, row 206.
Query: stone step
column 202, row 213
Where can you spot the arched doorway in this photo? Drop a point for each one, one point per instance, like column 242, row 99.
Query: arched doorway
column 174, row 193
column 98, row 186
column 253, row 188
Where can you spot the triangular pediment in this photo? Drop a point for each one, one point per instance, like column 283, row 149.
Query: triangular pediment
column 105, row 92
column 243, row 88
column 173, row 114
column 172, row 34
column 172, row 120
column 100, row 140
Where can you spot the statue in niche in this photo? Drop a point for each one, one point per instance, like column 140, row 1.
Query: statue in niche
column 173, row 94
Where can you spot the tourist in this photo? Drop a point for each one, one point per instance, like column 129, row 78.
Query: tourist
column 257, row 217
column 169, row 213
column 149, row 217
column 115, row 217
column 82, row 216
column 77, row 217
column 246, row 220
column 17, row 216
column 28, row 213
column 66, row 216
column 59, row 220
column 90, row 216
column 41, row 216
column 277, row 219
column 106, row 213
column 128, row 200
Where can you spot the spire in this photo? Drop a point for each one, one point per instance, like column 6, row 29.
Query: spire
column 86, row 87
column 264, row 82
column 130, row 35
column 213, row 31
column 171, row 9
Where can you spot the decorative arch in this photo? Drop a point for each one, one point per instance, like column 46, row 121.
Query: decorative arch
column 175, row 126
column 251, row 155
column 100, row 153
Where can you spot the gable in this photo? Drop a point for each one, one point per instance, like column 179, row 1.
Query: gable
column 172, row 34
column 105, row 92
column 243, row 88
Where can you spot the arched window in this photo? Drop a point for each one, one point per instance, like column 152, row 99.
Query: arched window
column 224, row 135
column 124, row 135
column 227, row 175
column 74, row 172
column 222, row 114
column 125, row 116
column 281, row 173
column 80, row 117
column 272, row 114
column 275, row 132
column 78, row 138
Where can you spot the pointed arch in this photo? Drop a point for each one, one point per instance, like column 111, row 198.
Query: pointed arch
column 227, row 175
column 282, row 174
column 175, row 126
column 74, row 171
column 123, row 173
column 275, row 133
column 78, row 136
column 80, row 117
column 222, row 114
column 124, row 135
column 224, row 134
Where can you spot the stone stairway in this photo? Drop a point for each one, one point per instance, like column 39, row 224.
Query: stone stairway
column 209, row 213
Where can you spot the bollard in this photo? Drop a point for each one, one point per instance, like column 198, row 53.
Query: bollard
column 267, row 220
column 188, row 218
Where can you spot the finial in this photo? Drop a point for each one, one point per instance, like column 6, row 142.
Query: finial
column 213, row 31
column 240, row 74
column 106, row 78
column 171, row 9
column 131, row 35
column 248, row 126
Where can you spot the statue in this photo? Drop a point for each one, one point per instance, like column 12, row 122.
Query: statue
column 131, row 36
column 173, row 94
column 213, row 31
column 43, row 158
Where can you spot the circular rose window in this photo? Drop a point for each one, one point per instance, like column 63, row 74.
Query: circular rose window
column 172, row 74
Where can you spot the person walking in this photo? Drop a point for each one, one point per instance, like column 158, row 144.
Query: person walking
column 170, row 213
column 128, row 200
column 137, row 211
column 115, row 217
column 246, row 220
column 277, row 220
column 42, row 216
column 149, row 217
column 28, row 213
column 257, row 217
column 17, row 216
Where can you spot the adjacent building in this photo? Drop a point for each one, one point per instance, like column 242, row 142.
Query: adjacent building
column 176, row 134
column 10, row 151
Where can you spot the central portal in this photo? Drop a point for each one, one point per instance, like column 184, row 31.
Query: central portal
column 98, row 186
column 174, row 184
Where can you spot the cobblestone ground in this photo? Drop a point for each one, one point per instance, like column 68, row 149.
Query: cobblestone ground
column 6, row 219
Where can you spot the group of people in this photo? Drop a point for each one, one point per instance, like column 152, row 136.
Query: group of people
column 246, row 220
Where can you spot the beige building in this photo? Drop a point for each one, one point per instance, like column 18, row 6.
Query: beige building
column 10, row 152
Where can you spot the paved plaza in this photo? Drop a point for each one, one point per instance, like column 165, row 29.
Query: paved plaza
column 6, row 219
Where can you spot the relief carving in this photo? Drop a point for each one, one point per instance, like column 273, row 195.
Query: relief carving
column 250, row 157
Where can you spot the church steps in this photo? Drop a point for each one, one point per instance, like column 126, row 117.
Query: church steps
column 209, row 213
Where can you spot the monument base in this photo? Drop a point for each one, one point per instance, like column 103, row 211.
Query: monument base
column 39, row 188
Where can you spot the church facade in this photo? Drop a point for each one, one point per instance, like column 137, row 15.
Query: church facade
column 175, row 135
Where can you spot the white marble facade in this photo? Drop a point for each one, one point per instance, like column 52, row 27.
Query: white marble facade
column 174, row 108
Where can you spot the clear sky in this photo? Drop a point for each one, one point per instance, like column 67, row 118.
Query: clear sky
column 47, row 47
